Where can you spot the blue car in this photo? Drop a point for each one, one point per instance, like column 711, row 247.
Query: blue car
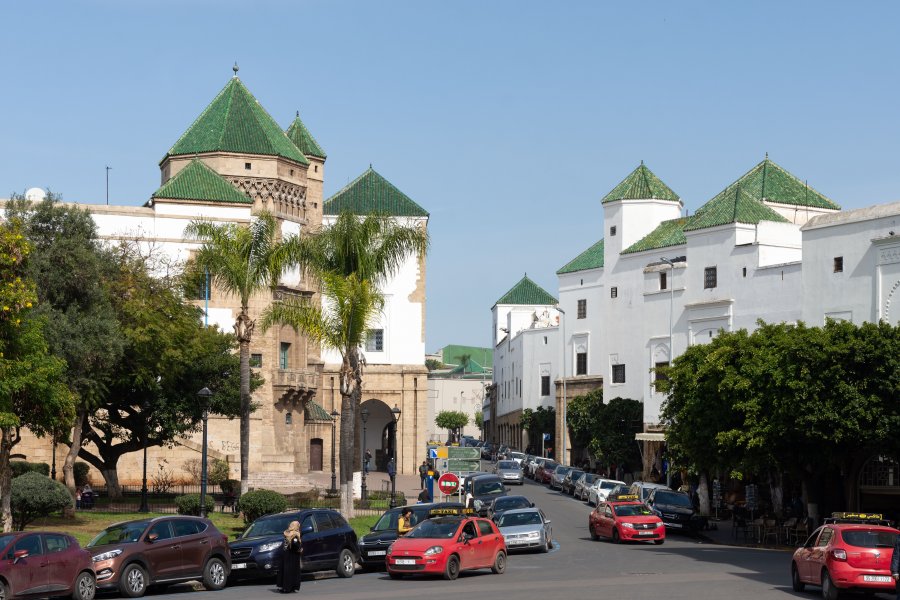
column 329, row 544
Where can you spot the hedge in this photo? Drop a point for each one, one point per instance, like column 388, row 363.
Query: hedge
column 189, row 504
column 260, row 502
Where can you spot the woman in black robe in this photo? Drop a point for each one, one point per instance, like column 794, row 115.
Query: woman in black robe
column 288, row 577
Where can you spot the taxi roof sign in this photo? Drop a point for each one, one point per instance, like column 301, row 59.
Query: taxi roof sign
column 858, row 518
column 458, row 511
column 623, row 497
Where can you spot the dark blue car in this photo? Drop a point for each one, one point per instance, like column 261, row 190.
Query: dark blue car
column 329, row 544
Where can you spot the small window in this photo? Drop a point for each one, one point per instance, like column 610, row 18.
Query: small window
column 283, row 355
column 31, row 543
column 288, row 418
column 55, row 542
column 661, row 373
column 247, row 166
column 315, row 168
column 618, row 373
column 545, row 385
column 485, row 527
column 710, row 278
column 292, row 172
column 323, row 522
column 838, row 264
column 581, row 363
column 545, row 340
column 582, row 309
column 375, row 340
column 612, row 231
column 663, row 281
column 745, row 271
column 162, row 530
column 613, row 292
column 256, row 361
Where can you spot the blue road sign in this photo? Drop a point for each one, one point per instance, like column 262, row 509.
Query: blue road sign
column 546, row 437
column 432, row 453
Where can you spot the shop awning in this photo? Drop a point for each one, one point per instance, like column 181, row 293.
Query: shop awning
column 650, row 436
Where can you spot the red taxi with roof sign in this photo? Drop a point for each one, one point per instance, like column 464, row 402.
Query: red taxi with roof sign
column 624, row 517
column 448, row 542
column 849, row 551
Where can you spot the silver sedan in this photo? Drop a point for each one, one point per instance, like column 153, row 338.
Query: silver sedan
column 526, row 529
column 509, row 471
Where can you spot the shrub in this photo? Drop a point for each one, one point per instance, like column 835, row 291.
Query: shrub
column 217, row 471
column 20, row 467
column 260, row 502
column 189, row 504
column 81, row 472
column 33, row 496
column 230, row 486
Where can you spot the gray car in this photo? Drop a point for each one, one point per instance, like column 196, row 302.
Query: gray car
column 556, row 480
column 583, row 485
column 526, row 529
column 510, row 472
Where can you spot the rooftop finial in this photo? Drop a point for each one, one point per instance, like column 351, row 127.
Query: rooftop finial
column 642, row 162
column 298, row 114
column 235, row 68
column 767, row 156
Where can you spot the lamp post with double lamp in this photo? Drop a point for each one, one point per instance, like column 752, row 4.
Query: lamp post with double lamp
column 671, row 284
column 334, row 417
column 205, row 394
column 364, row 416
column 565, row 423
column 395, row 412
column 144, row 506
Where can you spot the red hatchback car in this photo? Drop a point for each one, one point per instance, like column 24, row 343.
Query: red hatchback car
column 40, row 563
column 626, row 519
column 447, row 546
column 847, row 552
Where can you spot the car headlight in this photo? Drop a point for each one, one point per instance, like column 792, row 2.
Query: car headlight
column 628, row 525
column 269, row 547
column 107, row 555
column 660, row 524
column 533, row 535
column 390, row 550
column 434, row 550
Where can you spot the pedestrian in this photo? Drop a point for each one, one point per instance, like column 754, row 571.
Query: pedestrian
column 895, row 565
column 404, row 523
column 288, row 577
column 78, row 497
column 423, row 473
column 391, row 469
column 87, row 496
column 368, row 458
column 424, row 496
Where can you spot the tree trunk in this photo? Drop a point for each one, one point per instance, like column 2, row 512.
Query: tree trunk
column 107, row 464
column 69, row 464
column 243, row 329
column 111, row 477
column 351, row 380
column 776, row 492
column 703, row 494
column 6, row 445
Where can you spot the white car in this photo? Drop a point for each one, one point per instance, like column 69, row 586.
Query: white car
column 517, row 456
column 600, row 490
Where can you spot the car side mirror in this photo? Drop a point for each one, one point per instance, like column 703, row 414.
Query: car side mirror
column 152, row 537
column 532, row 505
column 306, row 529
column 19, row 554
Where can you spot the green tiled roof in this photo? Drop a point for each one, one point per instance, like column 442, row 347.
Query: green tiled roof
column 473, row 367
column 667, row 233
column 371, row 193
column 735, row 206
column 641, row 184
column 303, row 139
column 527, row 292
column 767, row 181
column 312, row 411
column 451, row 352
column 236, row 122
column 592, row 258
column 198, row 182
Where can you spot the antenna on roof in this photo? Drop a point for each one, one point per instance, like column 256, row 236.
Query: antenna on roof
column 235, row 68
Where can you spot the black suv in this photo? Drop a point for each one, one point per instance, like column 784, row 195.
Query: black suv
column 373, row 546
column 329, row 543
column 675, row 509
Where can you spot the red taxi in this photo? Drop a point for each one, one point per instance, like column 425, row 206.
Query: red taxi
column 850, row 551
column 447, row 543
column 625, row 518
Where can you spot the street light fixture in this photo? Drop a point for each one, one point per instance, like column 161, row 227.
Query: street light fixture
column 205, row 394
column 145, row 407
column 395, row 412
column 364, row 416
column 334, row 417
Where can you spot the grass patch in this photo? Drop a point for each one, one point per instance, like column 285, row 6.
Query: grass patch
column 363, row 525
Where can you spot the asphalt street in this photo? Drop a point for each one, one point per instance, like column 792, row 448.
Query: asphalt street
column 577, row 568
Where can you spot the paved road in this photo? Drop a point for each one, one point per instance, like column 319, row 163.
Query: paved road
column 577, row 568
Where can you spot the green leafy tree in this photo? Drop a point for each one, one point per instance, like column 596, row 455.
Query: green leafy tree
column 464, row 361
column 453, row 421
column 615, row 429
column 34, row 496
column 433, row 365
column 244, row 261
column 583, row 415
column 538, row 422
column 351, row 260
column 479, row 421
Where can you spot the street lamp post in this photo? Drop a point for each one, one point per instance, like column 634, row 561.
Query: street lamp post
column 146, row 416
column 334, row 416
column 565, row 423
column 671, row 348
column 205, row 394
column 364, row 416
column 395, row 412
column 53, row 468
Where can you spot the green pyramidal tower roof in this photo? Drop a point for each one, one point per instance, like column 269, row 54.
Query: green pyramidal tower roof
column 371, row 193
column 592, row 258
column 527, row 292
column 769, row 182
column 236, row 122
column 198, row 182
column 303, row 139
column 641, row 184
column 736, row 206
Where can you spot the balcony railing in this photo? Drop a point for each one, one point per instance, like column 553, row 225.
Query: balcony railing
column 296, row 379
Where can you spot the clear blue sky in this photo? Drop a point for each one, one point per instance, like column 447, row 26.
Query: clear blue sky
column 507, row 121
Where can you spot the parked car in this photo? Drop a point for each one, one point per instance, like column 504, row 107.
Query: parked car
column 485, row 489
column 329, row 544
column 133, row 555
column 846, row 556
column 518, row 457
column 571, row 478
column 526, row 529
column 533, row 465
column 626, row 520
column 546, row 471
column 505, row 503
column 583, row 485
column 643, row 488
column 447, row 546
column 487, row 451
column 556, row 478
column 510, row 472
column 675, row 509
column 503, row 452
column 373, row 546
column 45, row 563
column 620, row 491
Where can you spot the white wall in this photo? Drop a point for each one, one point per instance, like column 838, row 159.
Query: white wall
column 465, row 395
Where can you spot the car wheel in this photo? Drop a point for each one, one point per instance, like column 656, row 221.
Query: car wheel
column 546, row 547
column 4, row 591
column 658, row 542
column 499, row 563
column 346, row 564
column 451, row 570
column 615, row 536
column 796, row 582
column 133, row 581
column 214, row 574
column 85, row 587
column 394, row 575
column 594, row 535
column 829, row 592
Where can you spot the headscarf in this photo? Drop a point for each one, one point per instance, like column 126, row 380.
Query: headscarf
column 293, row 531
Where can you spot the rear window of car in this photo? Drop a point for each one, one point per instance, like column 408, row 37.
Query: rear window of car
column 507, row 464
column 869, row 538
column 511, row 503
column 673, row 499
column 185, row 527
column 488, row 488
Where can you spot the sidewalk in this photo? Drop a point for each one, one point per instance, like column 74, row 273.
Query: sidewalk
column 725, row 535
column 375, row 481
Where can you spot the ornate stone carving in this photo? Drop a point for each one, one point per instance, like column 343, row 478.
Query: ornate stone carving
column 886, row 313
column 888, row 256
column 274, row 195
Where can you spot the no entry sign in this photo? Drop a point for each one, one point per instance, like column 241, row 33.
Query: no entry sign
column 448, row 483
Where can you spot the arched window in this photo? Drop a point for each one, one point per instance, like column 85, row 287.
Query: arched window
column 881, row 472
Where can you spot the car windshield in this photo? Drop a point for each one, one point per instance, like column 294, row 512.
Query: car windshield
column 435, row 529
column 511, row 503
column 269, row 526
column 576, row 475
column 561, row 470
column 608, row 485
column 673, row 499
column 633, row 510
column 588, row 478
column 123, row 533
column 508, row 464
column 387, row 521
column 488, row 488
column 516, row 519
column 869, row 538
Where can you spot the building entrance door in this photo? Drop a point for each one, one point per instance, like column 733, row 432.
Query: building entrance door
column 315, row 454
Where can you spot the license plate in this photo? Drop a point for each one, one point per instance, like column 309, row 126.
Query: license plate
column 405, row 561
column 377, row 552
column 645, row 533
column 238, row 566
column 878, row 578
column 514, row 542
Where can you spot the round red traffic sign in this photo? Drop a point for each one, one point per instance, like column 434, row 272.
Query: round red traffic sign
column 448, row 483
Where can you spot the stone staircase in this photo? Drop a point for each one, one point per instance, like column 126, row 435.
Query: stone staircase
column 279, row 481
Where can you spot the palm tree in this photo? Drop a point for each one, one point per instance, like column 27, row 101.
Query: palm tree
column 243, row 260
column 351, row 259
